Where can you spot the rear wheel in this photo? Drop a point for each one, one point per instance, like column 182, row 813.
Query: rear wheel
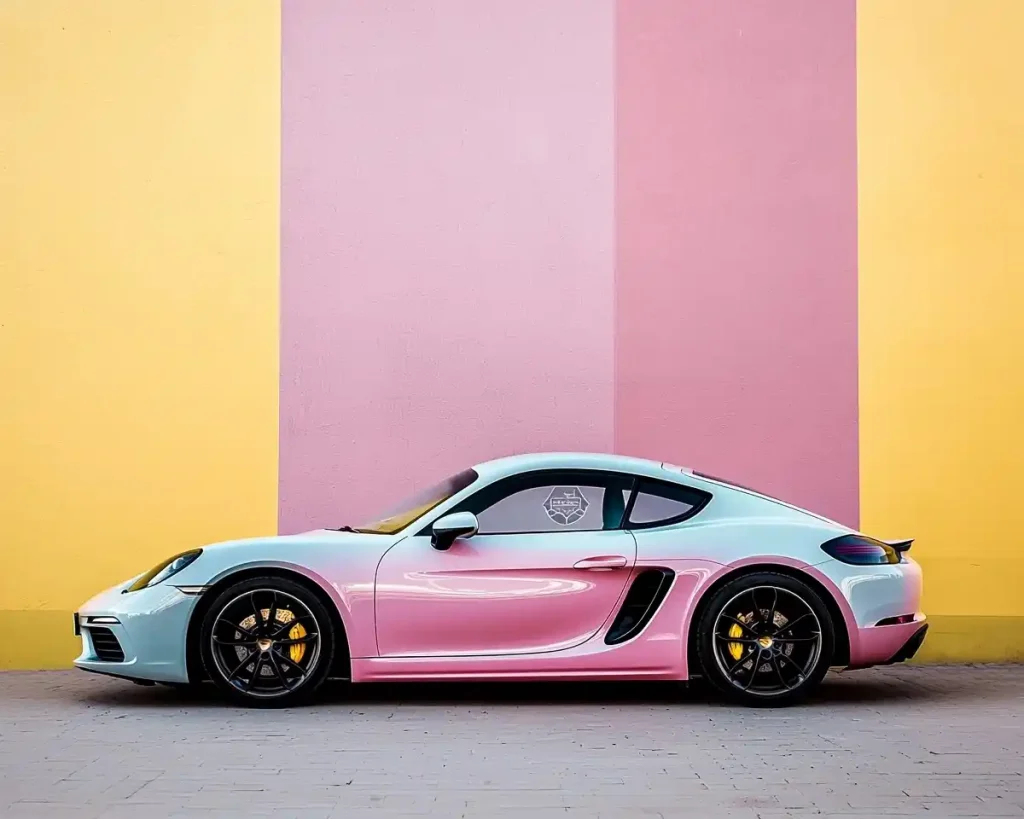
column 267, row 642
column 765, row 639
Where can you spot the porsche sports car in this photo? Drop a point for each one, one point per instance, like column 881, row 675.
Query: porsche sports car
column 532, row 567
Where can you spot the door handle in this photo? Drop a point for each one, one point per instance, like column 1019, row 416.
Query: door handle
column 607, row 562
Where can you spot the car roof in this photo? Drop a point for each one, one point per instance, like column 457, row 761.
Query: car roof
column 515, row 464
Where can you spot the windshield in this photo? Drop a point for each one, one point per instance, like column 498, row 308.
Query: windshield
column 418, row 505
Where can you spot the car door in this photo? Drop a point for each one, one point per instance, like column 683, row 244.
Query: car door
column 545, row 570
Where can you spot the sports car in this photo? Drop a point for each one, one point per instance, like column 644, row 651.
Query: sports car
column 553, row 566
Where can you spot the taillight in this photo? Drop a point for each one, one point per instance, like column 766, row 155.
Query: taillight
column 858, row 550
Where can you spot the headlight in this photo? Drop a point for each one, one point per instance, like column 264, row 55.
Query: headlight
column 164, row 570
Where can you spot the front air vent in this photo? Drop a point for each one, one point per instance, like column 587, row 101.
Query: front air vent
column 106, row 646
column 642, row 600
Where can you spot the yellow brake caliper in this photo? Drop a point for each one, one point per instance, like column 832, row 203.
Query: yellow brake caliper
column 735, row 649
column 296, row 650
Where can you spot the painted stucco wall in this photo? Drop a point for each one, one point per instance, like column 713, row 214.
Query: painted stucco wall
column 269, row 266
column 139, row 302
column 940, row 131
column 736, row 243
column 447, row 232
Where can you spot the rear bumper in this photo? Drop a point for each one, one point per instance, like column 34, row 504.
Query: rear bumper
column 910, row 648
column 881, row 607
column 885, row 645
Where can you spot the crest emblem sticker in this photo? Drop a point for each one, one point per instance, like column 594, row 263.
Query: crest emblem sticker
column 566, row 505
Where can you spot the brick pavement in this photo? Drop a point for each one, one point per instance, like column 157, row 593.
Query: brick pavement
column 902, row 741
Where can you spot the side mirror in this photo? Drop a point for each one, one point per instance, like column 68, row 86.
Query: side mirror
column 448, row 529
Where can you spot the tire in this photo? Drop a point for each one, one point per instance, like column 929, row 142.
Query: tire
column 765, row 640
column 276, row 661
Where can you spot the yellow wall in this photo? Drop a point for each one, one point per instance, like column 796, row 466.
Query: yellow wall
column 139, row 301
column 941, row 153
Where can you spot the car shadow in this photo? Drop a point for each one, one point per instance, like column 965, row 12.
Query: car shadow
column 876, row 688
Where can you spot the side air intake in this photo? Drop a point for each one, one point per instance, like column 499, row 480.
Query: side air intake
column 642, row 600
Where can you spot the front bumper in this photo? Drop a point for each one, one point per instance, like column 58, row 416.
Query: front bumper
column 138, row 636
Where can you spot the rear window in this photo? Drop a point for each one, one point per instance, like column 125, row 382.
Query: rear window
column 661, row 504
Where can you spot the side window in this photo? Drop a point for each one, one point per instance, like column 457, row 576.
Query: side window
column 552, row 502
column 658, row 504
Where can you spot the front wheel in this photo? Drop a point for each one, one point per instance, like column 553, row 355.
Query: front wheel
column 267, row 642
column 765, row 639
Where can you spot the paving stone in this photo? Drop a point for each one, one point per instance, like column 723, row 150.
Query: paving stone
column 902, row 741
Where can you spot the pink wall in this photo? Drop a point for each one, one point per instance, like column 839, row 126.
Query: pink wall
column 565, row 224
column 736, row 242
column 447, row 227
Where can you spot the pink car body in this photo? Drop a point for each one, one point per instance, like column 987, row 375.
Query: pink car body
column 523, row 604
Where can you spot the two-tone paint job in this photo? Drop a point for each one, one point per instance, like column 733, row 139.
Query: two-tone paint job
column 524, row 607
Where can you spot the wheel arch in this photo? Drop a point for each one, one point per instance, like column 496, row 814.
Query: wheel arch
column 842, row 651
column 342, row 665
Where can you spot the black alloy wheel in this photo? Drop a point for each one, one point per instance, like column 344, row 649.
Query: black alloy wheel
column 267, row 642
column 766, row 639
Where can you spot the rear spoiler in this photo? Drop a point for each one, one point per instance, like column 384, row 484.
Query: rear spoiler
column 900, row 546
